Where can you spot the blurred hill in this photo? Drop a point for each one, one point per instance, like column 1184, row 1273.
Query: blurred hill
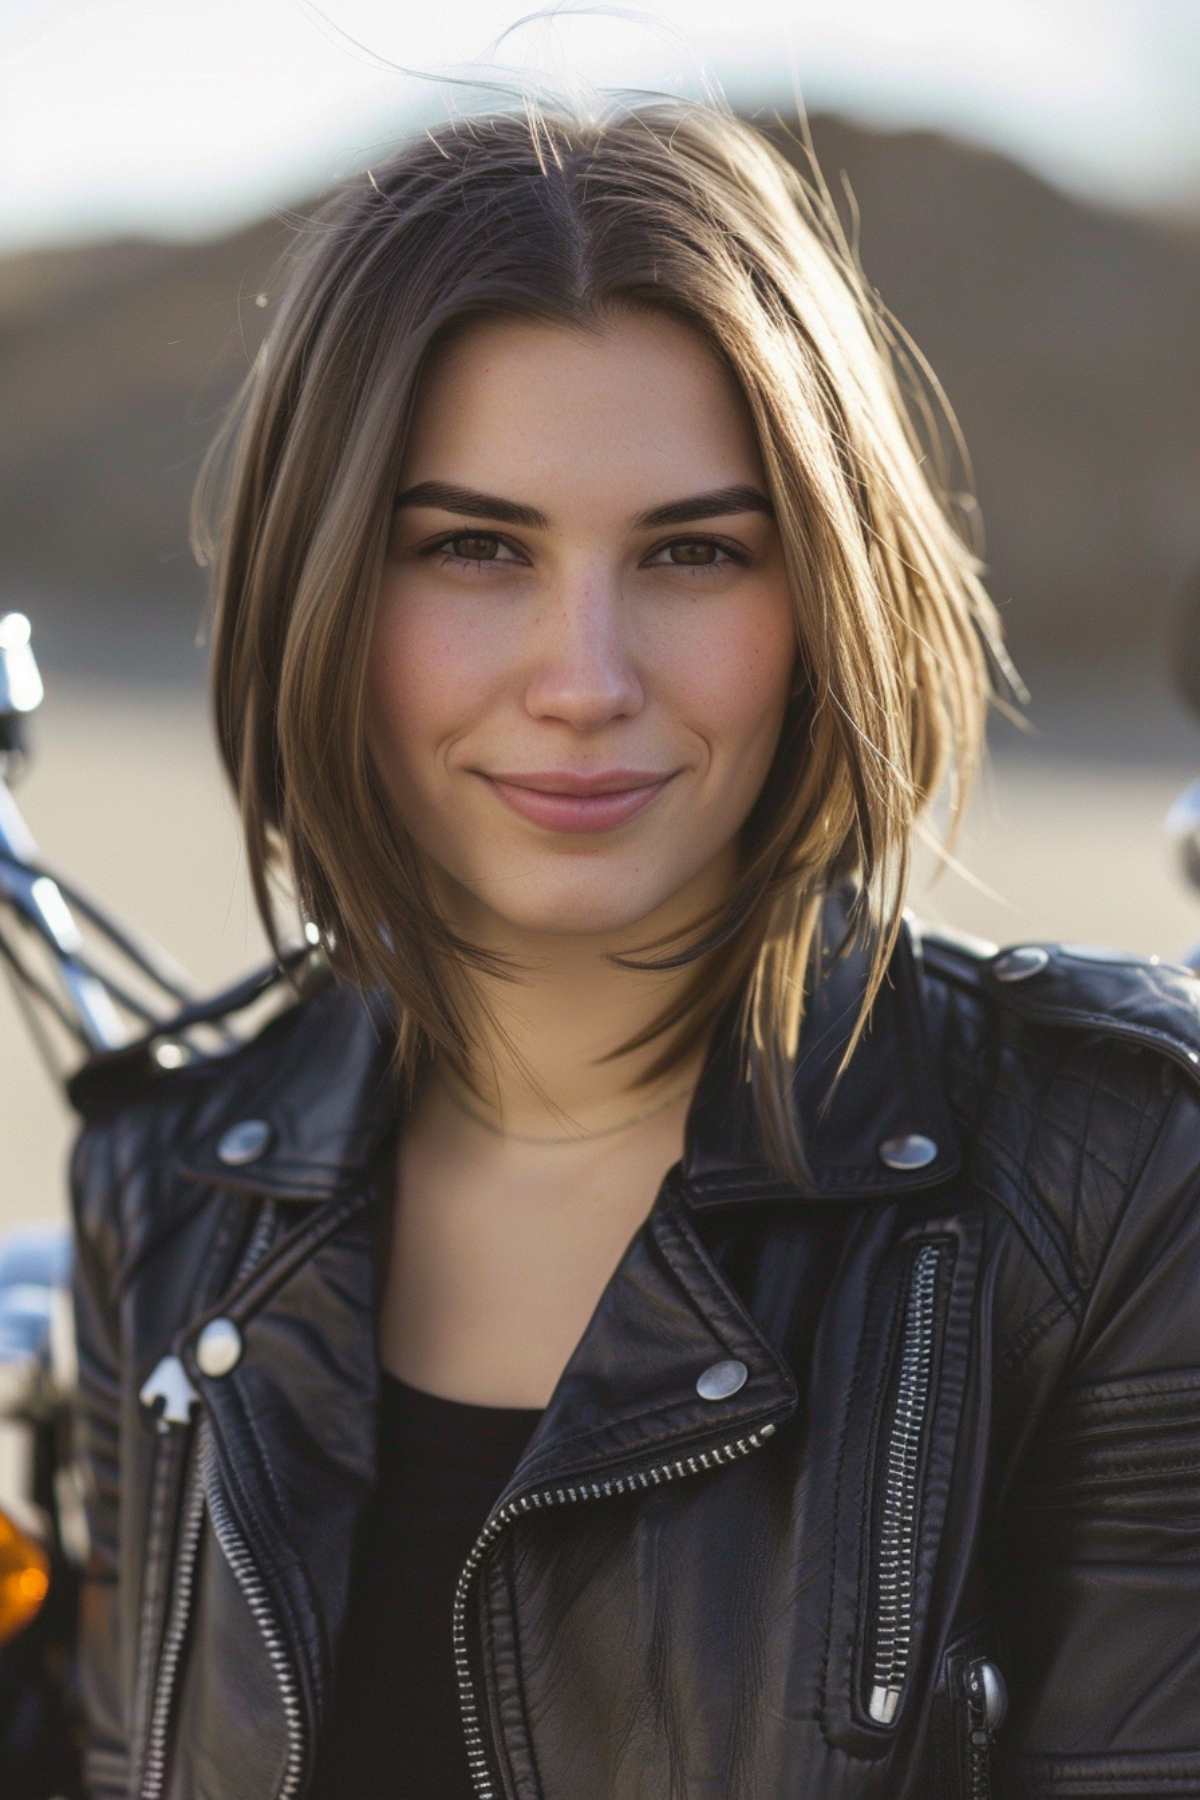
column 1064, row 336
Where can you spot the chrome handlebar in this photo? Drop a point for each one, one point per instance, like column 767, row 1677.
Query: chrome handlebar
column 98, row 1007
column 99, row 1001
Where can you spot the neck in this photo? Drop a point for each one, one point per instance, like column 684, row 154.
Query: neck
column 569, row 1009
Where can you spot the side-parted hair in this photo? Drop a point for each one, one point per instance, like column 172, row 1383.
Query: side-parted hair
column 539, row 214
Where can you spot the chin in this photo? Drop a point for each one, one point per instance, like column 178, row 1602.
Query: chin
column 577, row 910
column 581, row 920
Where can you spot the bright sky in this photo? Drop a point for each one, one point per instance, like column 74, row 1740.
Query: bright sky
column 183, row 118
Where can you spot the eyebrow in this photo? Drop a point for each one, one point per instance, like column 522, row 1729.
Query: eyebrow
column 718, row 503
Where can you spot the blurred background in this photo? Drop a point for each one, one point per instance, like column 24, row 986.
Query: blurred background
column 1023, row 184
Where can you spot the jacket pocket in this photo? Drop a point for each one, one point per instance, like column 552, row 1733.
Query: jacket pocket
column 907, row 1482
column 898, row 1464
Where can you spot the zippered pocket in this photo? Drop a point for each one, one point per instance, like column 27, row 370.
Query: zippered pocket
column 899, row 1460
column 899, row 1464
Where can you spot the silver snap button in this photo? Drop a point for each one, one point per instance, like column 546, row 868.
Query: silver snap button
column 219, row 1347
column 909, row 1152
column 245, row 1141
column 1016, row 965
column 722, row 1379
column 168, row 1054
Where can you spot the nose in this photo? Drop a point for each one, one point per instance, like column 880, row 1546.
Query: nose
column 585, row 665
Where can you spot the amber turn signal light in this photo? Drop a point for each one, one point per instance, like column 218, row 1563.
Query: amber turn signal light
column 24, row 1578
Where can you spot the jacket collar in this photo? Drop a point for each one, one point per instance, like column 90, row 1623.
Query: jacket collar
column 318, row 1078
column 892, row 1089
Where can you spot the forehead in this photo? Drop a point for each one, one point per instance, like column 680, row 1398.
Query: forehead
column 527, row 408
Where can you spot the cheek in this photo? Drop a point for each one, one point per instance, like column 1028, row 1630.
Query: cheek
column 417, row 683
column 740, row 670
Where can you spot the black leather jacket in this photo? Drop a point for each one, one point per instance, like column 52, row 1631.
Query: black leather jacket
column 830, row 1466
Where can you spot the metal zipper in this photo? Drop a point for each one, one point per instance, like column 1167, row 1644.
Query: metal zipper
column 584, row 1490
column 246, row 1575
column 154, row 1768
column 978, row 1737
column 169, row 1381
column 897, row 1538
column 986, row 1696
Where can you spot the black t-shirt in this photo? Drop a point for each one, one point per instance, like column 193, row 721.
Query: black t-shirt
column 396, row 1727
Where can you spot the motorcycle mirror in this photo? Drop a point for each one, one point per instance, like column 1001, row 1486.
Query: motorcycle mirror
column 1183, row 820
column 1183, row 829
column 24, row 1578
column 1185, row 645
column 21, row 689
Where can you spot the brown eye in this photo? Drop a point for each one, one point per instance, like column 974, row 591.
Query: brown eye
column 703, row 563
column 490, row 547
column 446, row 550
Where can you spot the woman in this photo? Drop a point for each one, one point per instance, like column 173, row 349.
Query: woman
column 642, row 1320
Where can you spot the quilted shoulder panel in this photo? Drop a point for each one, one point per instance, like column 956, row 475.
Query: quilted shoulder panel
column 1061, row 1059
column 1118, row 993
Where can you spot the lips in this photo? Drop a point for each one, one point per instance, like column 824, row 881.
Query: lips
column 573, row 812
column 567, row 781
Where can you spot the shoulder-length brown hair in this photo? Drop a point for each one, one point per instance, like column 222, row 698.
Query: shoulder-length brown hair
column 540, row 214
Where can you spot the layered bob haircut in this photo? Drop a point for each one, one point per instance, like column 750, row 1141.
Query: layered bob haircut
column 541, row 214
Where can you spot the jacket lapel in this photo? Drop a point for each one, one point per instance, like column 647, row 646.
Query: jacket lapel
column 632, row 1391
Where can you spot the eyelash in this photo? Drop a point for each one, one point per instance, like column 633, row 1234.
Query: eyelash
column 732, row 558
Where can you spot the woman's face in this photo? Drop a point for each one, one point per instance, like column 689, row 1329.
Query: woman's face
column 582, row 640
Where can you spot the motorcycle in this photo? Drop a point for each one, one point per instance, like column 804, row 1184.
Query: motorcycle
column 110, row 992
column 92, row 992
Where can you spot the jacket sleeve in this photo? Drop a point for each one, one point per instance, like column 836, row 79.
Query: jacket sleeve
column 97, row 1442
column 1100, row 1583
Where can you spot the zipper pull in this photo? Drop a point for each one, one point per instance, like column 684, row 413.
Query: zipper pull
column 986, row 1698
column 169, row 1394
